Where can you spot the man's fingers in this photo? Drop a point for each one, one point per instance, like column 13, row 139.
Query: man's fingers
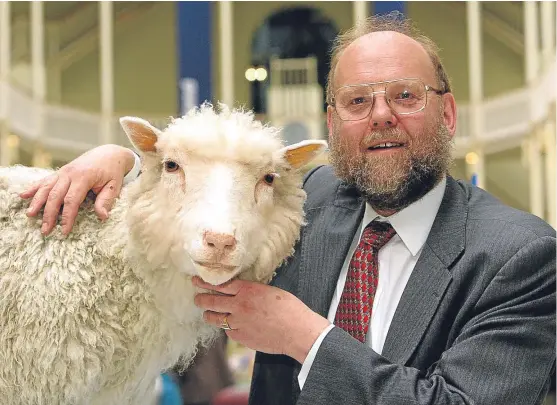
column 73, row 199
column 105, row 199
column 214, row 302
column 231, row 287
column 41, row 194
column 217, row 319
column 31, row 190
column 53, row 203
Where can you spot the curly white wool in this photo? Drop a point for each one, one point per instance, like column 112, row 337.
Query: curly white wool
column 94, row 317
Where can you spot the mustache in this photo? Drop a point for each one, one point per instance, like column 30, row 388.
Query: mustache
column 387, row 134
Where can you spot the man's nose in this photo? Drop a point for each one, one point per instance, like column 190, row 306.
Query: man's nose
column 381, row 114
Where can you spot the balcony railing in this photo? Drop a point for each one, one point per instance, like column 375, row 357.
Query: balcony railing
column 507, row 116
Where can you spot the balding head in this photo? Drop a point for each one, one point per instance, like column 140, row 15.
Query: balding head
column 380, row 56
column 387, row 34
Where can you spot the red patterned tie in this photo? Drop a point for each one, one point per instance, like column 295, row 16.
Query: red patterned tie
column 354, row 309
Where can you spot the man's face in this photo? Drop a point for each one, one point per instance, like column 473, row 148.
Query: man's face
column 392, row 177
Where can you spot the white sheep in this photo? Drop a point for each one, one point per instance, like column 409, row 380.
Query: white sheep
column 93, row 318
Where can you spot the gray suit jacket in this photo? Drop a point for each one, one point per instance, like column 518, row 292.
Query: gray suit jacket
column 475, row 324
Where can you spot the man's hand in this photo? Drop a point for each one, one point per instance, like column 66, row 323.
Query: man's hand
column 101, row 170
column 262, row 317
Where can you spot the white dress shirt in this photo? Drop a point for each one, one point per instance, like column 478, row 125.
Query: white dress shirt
column 397, row 259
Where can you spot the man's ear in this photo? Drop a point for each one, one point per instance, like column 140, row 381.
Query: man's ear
column 301, row 153
column 141, row 134
column 330, row 111
column 449, row 113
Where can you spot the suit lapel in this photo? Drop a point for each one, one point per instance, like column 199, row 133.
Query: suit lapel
column 324, row 248
column 418, row 303
column 430, row 277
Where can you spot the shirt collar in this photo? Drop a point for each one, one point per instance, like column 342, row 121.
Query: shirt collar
column 413, row 223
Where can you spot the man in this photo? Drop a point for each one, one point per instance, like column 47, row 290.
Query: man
column 407, row 287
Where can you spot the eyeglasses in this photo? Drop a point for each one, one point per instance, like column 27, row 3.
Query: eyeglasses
column 404, row 96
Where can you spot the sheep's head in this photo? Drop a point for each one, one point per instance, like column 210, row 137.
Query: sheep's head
column 219, row 195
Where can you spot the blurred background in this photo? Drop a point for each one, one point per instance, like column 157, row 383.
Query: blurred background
column 69, row 70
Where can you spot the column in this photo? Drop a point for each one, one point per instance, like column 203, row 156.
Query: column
column 106, row 49
column 53, row 70
column 5, row 64
column 194, row 53
column 548, row 32
column 531, row 41
column 475, row 167
column 227, row 52
column 38, row 78
column 548, row 62
column 532, row 69
column 550, row 170
column 535, row 165
column 37, row 51
column 359, row 11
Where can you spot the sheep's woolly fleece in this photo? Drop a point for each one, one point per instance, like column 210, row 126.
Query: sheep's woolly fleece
column 89, row 318
column 78, row 318
column 222, row 134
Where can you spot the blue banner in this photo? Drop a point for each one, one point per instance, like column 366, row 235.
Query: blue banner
column 194, row 53
column 384, row 7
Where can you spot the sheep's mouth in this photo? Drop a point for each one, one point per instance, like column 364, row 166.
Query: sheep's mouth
column 216, row 266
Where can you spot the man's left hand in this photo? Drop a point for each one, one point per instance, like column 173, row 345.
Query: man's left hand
column 262, row 317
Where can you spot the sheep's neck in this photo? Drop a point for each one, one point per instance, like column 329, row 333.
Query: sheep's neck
column 170, row 288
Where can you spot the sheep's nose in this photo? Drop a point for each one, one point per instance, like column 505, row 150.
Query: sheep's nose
column 220, row 241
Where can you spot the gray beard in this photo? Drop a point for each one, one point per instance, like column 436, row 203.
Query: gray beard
column 392, row 182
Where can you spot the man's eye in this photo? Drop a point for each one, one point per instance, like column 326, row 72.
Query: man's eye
column 405, row 95
column 171, row 166
column 358, row 100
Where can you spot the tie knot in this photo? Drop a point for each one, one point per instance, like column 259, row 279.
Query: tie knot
column 377, row 234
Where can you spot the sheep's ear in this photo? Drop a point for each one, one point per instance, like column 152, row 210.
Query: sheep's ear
column 301, row 153
column 141, row 134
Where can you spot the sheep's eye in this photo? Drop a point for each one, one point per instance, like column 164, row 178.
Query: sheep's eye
column 170, row 166
column 269, row 178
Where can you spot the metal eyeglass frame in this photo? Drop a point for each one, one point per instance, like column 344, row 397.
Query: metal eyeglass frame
column 427, row 88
